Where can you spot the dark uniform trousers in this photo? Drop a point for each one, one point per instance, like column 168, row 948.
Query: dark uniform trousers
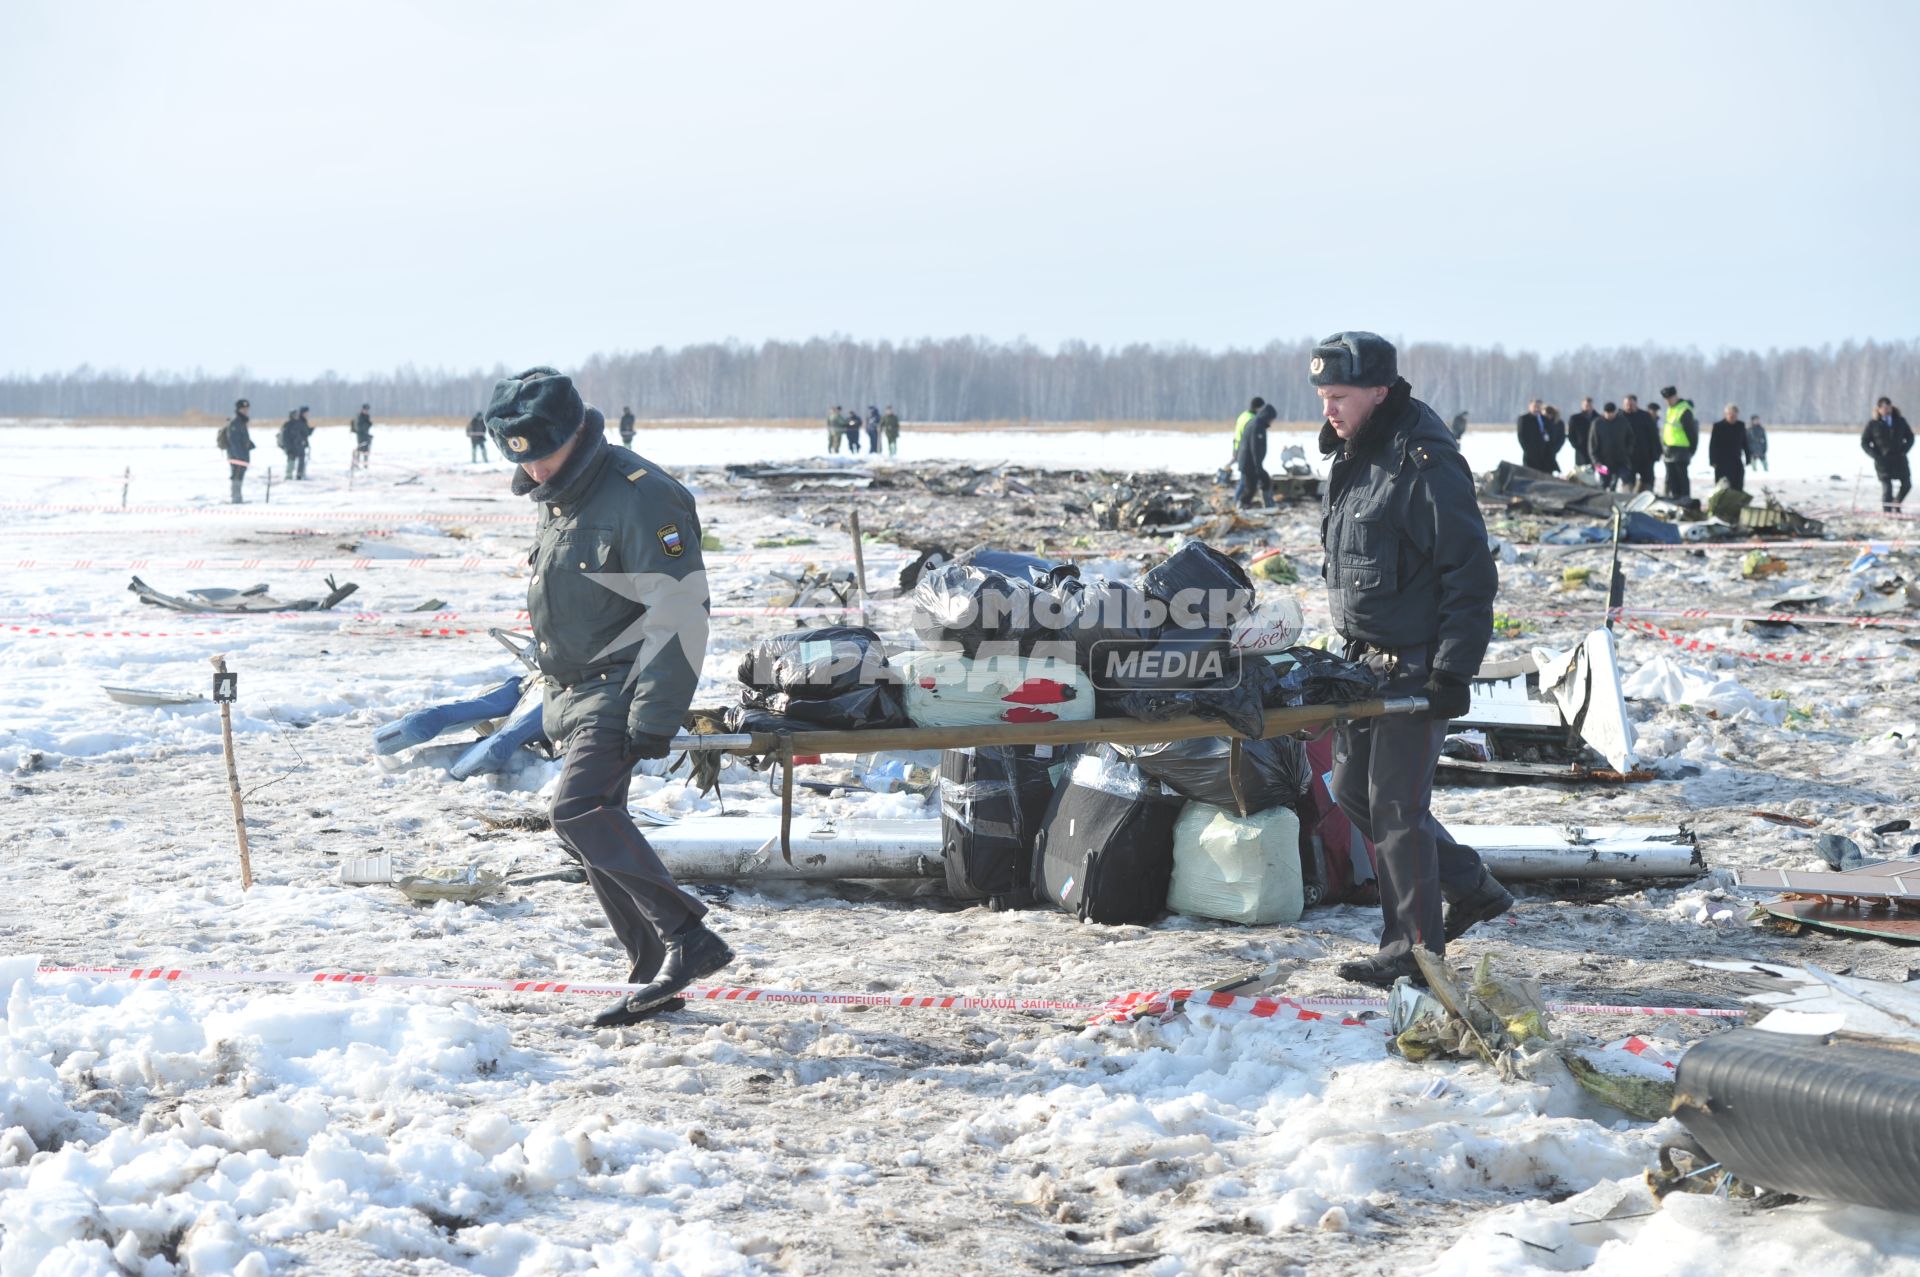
column 1383, row 780
column 1678, row 486
column 590, row 816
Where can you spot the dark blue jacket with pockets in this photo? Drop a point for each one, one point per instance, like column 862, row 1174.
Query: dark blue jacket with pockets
column 1407, row 562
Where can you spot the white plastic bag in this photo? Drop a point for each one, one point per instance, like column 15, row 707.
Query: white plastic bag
column 1237, row 868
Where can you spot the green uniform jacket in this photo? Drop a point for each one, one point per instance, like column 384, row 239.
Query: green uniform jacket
column 890, row 426
column 612, row 512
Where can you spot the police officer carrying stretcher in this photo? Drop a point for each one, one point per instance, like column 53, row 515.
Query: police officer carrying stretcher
column 618, row 600
column 1411, row 585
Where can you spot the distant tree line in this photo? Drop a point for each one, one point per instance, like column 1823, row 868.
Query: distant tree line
column 972, row 379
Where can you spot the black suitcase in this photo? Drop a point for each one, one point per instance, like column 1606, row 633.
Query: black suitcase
column 1105, row 852
column 992, row 800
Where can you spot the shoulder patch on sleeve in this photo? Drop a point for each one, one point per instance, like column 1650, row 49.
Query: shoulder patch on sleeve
column 637, row 475
column 671, row 543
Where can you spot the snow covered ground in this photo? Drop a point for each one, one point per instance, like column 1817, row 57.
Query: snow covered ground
column 156, row 1128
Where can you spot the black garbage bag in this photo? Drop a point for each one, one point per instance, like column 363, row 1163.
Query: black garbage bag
column 1321, row 678
column 818, row 664
column 971, row 606
column 1102, row 616
column 877, row 705
column 1273, row 772
column 1238, row 700
column 1202, row 587
column 1016, row 566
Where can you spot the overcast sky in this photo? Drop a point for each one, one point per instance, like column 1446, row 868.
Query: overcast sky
column 355, row 186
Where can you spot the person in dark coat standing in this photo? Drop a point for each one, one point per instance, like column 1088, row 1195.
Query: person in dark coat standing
column 890, row 427
column 1727, row 449
column 1458, row 426
column 1646, row 442
column 1579, row 430
column 1535, row 433
column 1757, row 443
column 477, row 438
column 851, row 424
column 1611, row 448
column 239, row 449
column 290, row 441
column 626, row 427
column 363, row 437
column 306, row 441
column 1411, row 585
column 873, row 430
column 1255, row 482
column 618, row 604
column 1888, row 439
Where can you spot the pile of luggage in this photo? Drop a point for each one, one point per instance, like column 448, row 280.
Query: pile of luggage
column 1109, row 833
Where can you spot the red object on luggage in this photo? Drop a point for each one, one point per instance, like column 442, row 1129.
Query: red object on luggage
column 1336, row 863
column 1040, row 691
column 1028, row 714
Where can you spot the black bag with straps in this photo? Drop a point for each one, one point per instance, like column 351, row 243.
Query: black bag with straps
column 1105, row 852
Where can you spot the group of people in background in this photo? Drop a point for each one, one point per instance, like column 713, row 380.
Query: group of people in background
column 845, row 426
column 1621, row 442
column 295, row 439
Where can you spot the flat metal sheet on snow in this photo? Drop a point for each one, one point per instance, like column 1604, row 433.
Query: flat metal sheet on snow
column 150, row 695
column 1891, row 886
column 1847, row 919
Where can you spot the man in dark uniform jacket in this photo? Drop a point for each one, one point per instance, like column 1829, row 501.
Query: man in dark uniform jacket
column 618, row 601
column 1579, row 426
column 363, row 435
column 1611, row 445
column 1888, row 439
column 290, row 441
column 1727, row 449
column 1256, row 485
column 1645, row 436
column 626, row 427
column 239, row 449
column 1411, row 585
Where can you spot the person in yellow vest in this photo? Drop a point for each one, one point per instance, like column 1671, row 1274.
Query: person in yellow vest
column 1679, row 440
column 1240, row 429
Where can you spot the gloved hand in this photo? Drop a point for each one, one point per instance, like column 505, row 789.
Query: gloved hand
column 1447, row 695
column 646, row 745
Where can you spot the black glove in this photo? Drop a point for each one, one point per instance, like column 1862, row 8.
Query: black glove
column 646, row 745
column 1447, row 695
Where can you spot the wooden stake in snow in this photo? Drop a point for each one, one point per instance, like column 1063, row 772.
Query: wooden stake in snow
column 125, row 483
column 226, row 689
column 859, row 563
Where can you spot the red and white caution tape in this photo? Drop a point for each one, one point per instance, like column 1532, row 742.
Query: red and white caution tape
column 37, row 631
column 256, row 511
column 1558, row 1008
column 1123, row 1006
column 359, row 564
column 1688, row 643
column 1707, row 614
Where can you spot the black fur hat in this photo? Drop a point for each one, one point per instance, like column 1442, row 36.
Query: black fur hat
column 533, row 414
column 1354, row 358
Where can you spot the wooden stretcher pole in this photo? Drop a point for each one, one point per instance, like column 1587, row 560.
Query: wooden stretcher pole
column 1117, row 731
